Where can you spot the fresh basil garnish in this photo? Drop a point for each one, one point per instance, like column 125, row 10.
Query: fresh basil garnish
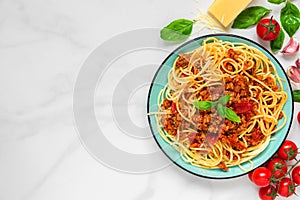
column 221, row 110
column 204, row 105
column 290, row 18
column 276, row 1
column 250, row 16
column 231, row 115
column 277, row 44
column 224, row 99
column 177, row 30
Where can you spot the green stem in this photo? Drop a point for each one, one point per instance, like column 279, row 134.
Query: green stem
column 275, row 180
column 293, row 166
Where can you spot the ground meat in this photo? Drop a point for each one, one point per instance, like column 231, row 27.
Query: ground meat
column 232, row 54
column 223, row 166
column 209, row 126
column 183, row 60
column 166, row 104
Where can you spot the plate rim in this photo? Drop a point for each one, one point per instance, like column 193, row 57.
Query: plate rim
column 195, row 40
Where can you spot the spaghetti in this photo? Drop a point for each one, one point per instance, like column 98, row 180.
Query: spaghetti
column 218, row 68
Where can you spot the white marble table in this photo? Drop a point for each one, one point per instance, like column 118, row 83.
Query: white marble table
column 43, row 46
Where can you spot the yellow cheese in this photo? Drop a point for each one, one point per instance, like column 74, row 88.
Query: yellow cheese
column 225, row 11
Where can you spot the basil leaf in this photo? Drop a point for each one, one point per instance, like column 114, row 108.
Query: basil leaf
column 231, row 115
column 276, row 44
column 224, row 99
column 204, row 105
column 276, row 1
column 296, row 95
column 249, row 17
column 221, row 110
column 177, row 30
column 290, row 18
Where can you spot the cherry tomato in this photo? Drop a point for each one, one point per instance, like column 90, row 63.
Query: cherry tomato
column 278, row 167
column 261, row 176
column 286, row 187
column 288, row 150
column 296, row 175
column 268, row 29
column 250, row 176
column 298, row 117
column 267, row 193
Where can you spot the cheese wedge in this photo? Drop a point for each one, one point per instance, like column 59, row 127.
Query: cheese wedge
column 225, row 11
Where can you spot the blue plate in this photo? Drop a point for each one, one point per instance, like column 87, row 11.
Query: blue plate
column 160, row 80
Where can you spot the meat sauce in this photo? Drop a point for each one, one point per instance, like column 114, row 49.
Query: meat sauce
column 208, row 123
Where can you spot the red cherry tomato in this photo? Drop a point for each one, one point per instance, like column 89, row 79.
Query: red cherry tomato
column 278, row 167
column 288, row 150
column 261, row 176
column 298, row 117
column 250, row 176
column 267, row 193
column 268, row 29
column 286, row 187
column 296, row 175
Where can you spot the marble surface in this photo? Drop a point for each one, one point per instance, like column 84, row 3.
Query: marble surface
column 43, row 48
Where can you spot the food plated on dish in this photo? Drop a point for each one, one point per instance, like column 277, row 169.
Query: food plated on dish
column 222, row 103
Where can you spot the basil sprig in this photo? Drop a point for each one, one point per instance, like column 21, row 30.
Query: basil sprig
column 222, row 110
column 224, row 99
column 277, row 44
column 204, row 105
column 177, row 30
column 276, row 1
column 290, row 18
column 250, row 16
column 231, row 115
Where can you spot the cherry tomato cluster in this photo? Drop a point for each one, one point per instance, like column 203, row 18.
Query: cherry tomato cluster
column 280, row 176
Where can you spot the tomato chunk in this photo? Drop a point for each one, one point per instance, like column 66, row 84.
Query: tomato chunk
column 173, row 108
column 243, row 107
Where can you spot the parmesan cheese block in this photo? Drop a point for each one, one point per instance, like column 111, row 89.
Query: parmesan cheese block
column 225, row 11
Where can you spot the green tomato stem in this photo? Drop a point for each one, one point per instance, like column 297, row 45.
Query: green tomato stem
column 288, row 173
